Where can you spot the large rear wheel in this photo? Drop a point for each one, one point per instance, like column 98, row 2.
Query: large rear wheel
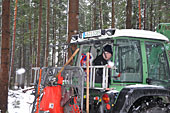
column 150, row 105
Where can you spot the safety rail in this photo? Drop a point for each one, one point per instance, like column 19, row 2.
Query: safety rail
column 92, row 75
column 35, row 76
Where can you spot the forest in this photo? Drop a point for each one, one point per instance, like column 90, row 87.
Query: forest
column 93, row 14
column 41, row 26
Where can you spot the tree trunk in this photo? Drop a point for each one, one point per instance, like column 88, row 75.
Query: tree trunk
column 100, row 9
column 13, row 45
column 20, row 54
column 151, row 14
column 113, row 14
column 4, row 67
column 91, row 17
column 147, row 15
column 94, row 15
column 34, row 49
column 23, row 54
column 139, row 14
column 128, row 14
column 144, row 15
column 30, row 56
column 35, row 41
column 60, row 57
column 72, row 22
column 54, row 35
column 47, row 37
column 160, row 11
column 39, row 35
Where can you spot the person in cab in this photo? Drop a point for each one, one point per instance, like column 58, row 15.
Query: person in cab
column 102, row 59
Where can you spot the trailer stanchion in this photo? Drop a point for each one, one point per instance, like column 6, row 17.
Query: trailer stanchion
column 87, row 92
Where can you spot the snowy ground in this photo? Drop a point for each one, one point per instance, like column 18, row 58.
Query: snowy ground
column 20, row 102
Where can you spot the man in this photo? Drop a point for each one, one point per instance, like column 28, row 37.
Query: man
column 102, row 60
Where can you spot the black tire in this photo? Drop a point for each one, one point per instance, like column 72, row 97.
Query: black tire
column 150, row 105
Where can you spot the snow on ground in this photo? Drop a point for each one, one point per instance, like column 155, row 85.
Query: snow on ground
column 20, row 102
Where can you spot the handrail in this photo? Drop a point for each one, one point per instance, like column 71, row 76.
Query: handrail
column 93, row 77
column 92, row 74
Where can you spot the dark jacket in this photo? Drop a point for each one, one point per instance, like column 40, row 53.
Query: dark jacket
column 99, row 61
column 99, row 72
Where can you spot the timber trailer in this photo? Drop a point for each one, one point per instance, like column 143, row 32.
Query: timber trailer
column 139, row 75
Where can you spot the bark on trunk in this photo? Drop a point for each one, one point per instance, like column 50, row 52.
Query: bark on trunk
column 54, row 36
column 23, row 55
column 139, row 14
column 151, row 14
column 100, row 9
column 128, row 14
column 113, row 14
column 94, row 15
column 72, row 22
column 160, row 11
column 35, row 41
column 4, row 67
column 47, row 37
column 144, row 15
column 39, row 35
column 30, row 57
column 13, row 45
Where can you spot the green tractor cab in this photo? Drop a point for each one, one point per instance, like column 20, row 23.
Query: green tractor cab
column 140, row 73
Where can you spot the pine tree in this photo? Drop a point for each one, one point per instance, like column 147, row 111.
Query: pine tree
column 94, row 15
column 47, row 39
column 4, row 67
column 72, row 21
column 128, row 14
column 113, row 13
column 54, row 35
column 39, row 35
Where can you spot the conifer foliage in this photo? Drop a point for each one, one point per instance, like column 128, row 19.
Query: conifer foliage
column 48, row 38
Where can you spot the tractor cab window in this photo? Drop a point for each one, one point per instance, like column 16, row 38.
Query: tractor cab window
column 99, row 74
column 157, row 62
column 128, row 61
column 95, row 49
column 83, row 54
column 82, row 58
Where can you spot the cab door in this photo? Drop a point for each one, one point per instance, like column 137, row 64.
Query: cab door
column 128, row 61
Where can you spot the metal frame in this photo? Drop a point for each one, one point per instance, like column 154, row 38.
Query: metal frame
column 104, row 76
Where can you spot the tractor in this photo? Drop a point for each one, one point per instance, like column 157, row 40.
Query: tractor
column 135, row 80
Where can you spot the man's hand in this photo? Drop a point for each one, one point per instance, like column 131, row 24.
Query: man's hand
column 111, row 65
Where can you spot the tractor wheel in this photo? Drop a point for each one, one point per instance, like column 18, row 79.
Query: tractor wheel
column 156, row 109
column 150, row 105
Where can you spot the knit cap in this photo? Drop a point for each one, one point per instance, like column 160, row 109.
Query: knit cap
column 108, row 48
